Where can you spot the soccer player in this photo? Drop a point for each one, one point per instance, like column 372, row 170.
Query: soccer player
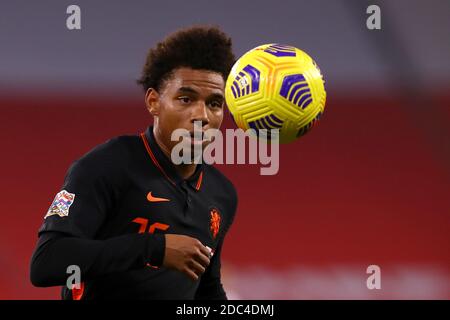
column 137, row 225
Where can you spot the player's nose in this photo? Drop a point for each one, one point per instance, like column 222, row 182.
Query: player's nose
column 200, row 114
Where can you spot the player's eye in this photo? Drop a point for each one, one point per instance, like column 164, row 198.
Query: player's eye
column 216, row 104
column 185, row 100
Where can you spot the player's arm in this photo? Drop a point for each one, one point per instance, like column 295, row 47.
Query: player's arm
column 55, row 252
column 67, row 234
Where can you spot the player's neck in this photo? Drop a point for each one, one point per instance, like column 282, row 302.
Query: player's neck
column 184, row 170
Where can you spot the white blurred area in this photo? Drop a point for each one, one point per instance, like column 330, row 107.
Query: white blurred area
column 334, row 282
column 107, row 54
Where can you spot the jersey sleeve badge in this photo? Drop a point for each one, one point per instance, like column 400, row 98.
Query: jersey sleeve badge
column 61, row 204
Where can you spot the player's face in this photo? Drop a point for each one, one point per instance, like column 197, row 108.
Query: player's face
column 186, row 97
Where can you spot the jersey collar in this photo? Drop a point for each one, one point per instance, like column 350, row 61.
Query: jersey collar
column 165, row 165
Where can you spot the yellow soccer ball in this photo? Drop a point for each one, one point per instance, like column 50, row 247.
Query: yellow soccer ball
column 276, row 86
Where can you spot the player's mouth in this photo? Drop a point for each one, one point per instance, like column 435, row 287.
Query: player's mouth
column 198, row 138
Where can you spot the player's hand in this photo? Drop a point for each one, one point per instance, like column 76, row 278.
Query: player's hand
column 186, row 254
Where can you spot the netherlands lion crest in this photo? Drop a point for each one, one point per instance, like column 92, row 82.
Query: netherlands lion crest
column 214, row 223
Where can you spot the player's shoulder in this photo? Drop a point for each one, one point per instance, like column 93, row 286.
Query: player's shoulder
column 116, row 149
column 108, row 157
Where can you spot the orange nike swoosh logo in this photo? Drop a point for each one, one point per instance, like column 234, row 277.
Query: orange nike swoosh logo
column 155, row 199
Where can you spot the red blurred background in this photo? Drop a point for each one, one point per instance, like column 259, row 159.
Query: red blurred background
column 349, row 194
column 368, row 186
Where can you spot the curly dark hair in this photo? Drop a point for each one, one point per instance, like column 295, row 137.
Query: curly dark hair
column 198, row 47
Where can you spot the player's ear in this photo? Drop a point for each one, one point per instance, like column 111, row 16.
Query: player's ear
column 152, row 101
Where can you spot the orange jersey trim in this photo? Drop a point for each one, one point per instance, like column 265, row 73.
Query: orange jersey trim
column 199, row 181
column 152, row 156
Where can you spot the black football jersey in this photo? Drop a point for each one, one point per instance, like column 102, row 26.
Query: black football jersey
column 109, row 218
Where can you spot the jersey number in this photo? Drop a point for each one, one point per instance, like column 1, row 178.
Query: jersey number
column 154, row 226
